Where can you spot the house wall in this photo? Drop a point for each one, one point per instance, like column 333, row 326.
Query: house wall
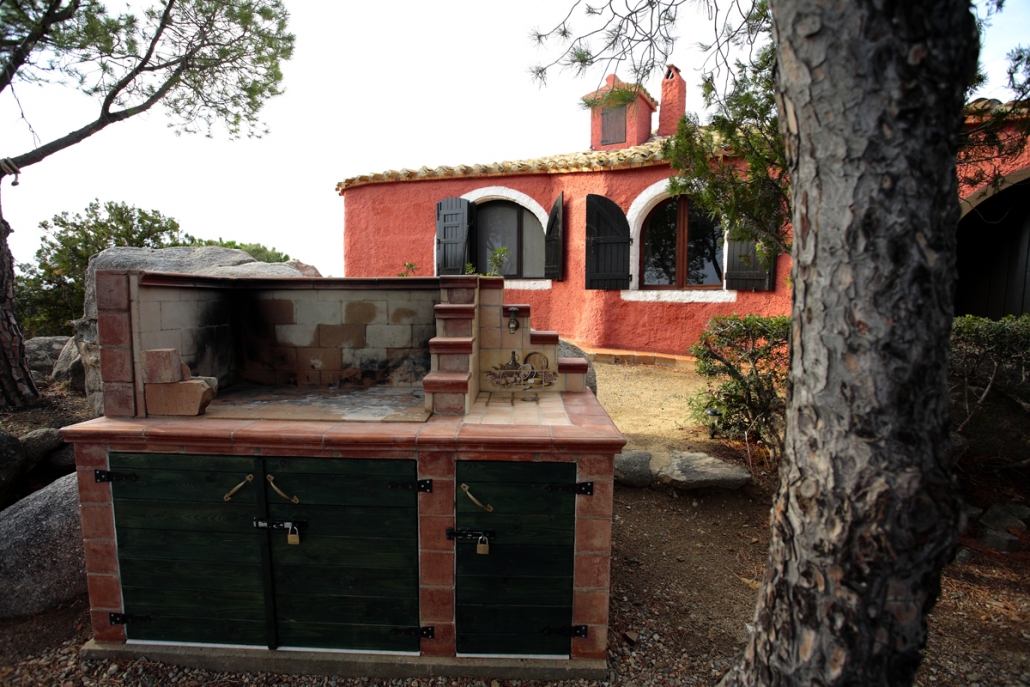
column 392, row 223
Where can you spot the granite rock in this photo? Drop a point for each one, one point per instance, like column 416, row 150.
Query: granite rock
column 633, row 468
column 567, row 350
column 69, row 367
column 12, row 464
column 998, row 518
column 37, row 444
column 42, row 352
column 693, row 470
column 41, row 556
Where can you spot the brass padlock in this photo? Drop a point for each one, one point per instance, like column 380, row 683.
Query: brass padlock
column 483, row 547
column 293, row 536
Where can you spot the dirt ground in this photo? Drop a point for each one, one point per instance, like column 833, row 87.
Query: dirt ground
column 685, row 568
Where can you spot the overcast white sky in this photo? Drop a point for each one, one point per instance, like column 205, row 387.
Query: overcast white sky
column 372, row 86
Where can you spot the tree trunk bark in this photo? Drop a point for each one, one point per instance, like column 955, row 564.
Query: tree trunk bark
column 867, row 512
column 16, row 383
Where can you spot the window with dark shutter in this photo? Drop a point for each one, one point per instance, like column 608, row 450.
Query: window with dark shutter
column 455, row 230
column 553, row 242
column 608, row 240
column 613, row 125
column 744, row 270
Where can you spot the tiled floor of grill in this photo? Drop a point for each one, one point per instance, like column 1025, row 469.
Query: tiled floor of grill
column 519, row 408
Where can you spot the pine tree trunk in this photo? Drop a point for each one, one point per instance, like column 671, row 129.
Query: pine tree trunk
column 15, row 377
column 867, row 512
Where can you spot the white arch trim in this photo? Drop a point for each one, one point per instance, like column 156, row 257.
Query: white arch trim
column 642, row 205
column 967, row 204
column 482, row 195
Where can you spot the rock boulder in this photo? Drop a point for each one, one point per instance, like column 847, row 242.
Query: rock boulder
column 42, row 353
column 41, row 559
column 37, row 444
column 207, row 260
column 12, row 464
column 684, row 470
column 633, row 468
column 567, row 350
column 69, row 367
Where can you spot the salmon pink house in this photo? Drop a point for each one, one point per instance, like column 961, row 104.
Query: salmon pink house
column 595, row 243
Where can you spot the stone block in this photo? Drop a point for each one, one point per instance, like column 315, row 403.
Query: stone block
column 113, row 328
column 422, row 333
column 275, row 311
column 158, row 339
column 341, row 335
column 119, row 399
column 318, row 312
column 299, row 335
column 181, row 398
column 116, row 364
column 112, row 291
column 388, row 336
column 321, row 359
column 179, row 314
column 364, row 312
column 363, row 358
column 161, row 366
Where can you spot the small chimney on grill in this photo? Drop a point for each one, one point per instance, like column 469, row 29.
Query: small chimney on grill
column 674, row 101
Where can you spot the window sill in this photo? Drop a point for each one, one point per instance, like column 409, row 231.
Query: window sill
column 692, row 295
column 528, row 284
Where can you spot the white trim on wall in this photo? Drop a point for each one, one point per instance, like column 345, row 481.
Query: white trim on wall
column 677, row 296
column 643, row 204
column 528, row 284
column 482, row 195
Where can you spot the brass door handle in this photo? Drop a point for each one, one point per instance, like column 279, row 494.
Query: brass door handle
column 271, row 481
column 249, row 479
column 488, row 508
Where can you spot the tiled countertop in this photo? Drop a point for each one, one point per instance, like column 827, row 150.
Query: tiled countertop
column 495, row 425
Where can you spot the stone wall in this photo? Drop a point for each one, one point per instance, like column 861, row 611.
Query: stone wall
column 358, row 337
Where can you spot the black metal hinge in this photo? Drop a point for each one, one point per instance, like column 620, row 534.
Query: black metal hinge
column 571, row 631
column 423, row 485
column 122, row 618
column 424, row 632
column 582, row 488
column 105, row 476
column 475, row 535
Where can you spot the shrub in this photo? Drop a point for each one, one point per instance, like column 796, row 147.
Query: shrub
column 751, row 355
column 989, row 355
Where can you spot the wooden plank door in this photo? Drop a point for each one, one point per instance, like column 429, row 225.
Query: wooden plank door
column 517, row 599
column 190, row 560
column 352, row 581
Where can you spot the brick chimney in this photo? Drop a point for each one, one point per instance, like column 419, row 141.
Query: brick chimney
column 620, row 126
column 674, row 101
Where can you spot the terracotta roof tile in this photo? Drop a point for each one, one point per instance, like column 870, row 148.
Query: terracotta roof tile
column 644, row 155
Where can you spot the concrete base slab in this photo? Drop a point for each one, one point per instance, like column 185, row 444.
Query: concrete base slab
column 233, row 660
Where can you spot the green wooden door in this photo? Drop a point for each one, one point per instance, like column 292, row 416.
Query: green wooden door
column 352, row 582
column 190, row 560
column 518, row 598
column 200, row 569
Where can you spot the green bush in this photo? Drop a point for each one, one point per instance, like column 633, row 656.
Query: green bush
column 51, row 293
column 750, row 355
column 989, row 355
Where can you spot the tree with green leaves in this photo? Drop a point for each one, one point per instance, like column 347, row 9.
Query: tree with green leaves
column 207, row 62
column 52, row 291
column 870, row 102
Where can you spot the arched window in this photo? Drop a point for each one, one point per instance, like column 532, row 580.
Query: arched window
column 501, row 223
column 681, row 246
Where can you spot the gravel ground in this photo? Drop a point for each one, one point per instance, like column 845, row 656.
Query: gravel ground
column 684, row 582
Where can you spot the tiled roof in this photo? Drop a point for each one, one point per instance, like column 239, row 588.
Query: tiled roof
column 644, row 155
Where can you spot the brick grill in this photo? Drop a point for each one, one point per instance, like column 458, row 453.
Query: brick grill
column 421, row 372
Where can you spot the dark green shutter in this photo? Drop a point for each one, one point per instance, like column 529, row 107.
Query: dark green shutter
column 608, row 242
column 553, row 238
column 744, row 270
column 455, row 235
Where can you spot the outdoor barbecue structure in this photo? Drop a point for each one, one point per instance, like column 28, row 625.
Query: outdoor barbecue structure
column 378, row 477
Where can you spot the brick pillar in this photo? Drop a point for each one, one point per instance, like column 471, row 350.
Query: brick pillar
column 591, row 581
column 674, row 101
column 97, row 514
column 436, row 552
